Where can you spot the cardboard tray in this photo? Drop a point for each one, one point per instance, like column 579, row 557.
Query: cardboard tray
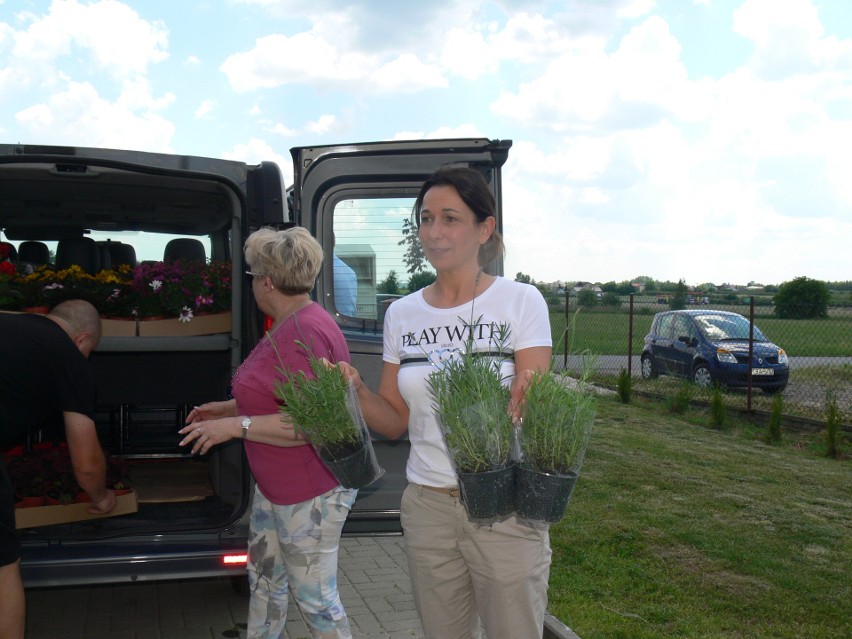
column 51, row 515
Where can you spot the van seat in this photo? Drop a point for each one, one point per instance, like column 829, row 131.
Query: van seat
column 82, row 251
column 121, row 253
column 185, row 248
column 34, row 252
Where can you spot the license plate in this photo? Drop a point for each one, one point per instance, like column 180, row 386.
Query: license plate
column 762, row 371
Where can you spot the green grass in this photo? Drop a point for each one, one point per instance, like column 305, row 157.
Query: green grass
column 606, row 332
column 679, row 530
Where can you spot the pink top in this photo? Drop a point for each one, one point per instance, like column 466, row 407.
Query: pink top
column 296, row 474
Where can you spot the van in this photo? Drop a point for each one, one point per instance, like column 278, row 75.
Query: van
column 66, row 205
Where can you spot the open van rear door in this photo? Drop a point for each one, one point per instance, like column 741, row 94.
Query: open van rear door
column 356, row 199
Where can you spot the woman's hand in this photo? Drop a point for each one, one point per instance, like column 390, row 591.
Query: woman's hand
column 212, row 410
column 350, row 373
column 203, row 435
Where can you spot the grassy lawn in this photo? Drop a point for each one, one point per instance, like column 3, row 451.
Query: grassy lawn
column 679, row 530
column 606, row 332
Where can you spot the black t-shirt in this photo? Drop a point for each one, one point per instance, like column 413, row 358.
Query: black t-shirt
column 42, row 374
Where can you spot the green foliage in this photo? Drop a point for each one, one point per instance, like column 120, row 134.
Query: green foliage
column 420, row 280
column 523, row 277
column 625, row 386
column 587, row 298
column 718, row 411
column 414, row 258
column 802, row 298
column 389, row 285
column 773, row 430
column 557, row 423
column 472, row 401
column 318, row 408
column 678, row 402
column 832, row 427
column 678, row 531
column 678, row 300
column 611, row 299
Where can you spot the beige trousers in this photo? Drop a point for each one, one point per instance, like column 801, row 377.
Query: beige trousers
column 462, row 573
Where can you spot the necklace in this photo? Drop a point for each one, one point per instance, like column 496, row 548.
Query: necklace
column 476, row 283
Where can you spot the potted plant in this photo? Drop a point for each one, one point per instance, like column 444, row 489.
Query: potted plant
column 471, row 399
column 325, row 410
column 558, row 416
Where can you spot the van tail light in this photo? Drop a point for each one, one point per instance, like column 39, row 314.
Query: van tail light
column 235, row 560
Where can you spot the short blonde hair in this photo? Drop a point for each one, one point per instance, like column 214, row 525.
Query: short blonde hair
column 292, row 258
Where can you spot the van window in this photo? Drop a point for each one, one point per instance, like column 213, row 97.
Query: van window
column 373, row 237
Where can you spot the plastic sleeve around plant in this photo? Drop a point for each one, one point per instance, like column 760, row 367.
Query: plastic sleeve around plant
column 354, row 408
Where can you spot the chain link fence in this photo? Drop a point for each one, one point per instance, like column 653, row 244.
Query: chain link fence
column 607, row 337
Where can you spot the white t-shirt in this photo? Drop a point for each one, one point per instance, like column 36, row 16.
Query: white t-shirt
column 419, row 337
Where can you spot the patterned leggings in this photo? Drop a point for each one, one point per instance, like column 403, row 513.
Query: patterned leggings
column 294, row 549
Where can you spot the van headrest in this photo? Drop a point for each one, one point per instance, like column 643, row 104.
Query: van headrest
column 34, row 252
column 185, row 248
column 82, row 251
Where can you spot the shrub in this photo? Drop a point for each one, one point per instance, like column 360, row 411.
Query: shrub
column 718, row 411
column 678, row 403
column 802, row 298
column 832, row 427
column 773, row 431
column 625, row 387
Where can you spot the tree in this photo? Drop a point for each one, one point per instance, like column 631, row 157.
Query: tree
column 611, row 299
column 678, row 300
column 587, row 297
column 389, row 285
column 414, row 258
column 420, row 280
column 523, row 277
column 802, row 298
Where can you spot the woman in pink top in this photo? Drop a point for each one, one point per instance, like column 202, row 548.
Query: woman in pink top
column 299, row 508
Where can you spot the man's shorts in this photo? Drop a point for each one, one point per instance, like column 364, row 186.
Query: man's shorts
column 10, row 545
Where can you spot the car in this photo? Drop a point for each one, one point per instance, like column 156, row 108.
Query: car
column 712, row 348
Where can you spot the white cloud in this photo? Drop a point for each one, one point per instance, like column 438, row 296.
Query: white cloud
column 205, row 108
column 323, row 125
column 116, row 39
column 256, row 151
column 79, row 116
column 304, row 58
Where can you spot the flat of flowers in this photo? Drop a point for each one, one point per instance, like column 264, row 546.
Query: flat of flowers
column 51, row 515
column 198, row 325
column 161, row 482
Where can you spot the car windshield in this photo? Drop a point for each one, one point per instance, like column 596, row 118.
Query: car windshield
column 722, row 327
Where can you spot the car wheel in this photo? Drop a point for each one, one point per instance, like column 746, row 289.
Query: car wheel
column 648, row 371
column 701, row 376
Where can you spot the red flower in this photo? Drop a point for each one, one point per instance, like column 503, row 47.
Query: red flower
column 6, row 268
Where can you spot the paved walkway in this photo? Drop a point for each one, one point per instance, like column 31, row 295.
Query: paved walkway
column 373, row 584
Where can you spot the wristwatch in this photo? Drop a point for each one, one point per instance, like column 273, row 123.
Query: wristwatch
column 246, row 423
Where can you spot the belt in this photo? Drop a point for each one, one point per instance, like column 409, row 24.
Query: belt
column 452, row 492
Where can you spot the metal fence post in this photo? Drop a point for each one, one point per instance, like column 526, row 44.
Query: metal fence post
column 750, row 350
column 630, row 339
column 565, row 333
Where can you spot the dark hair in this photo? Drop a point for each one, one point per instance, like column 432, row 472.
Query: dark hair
column 474, row 192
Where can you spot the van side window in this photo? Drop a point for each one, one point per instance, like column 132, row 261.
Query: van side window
column 377, row 256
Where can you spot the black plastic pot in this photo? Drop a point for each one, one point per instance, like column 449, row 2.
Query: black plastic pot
column 490, row 494
column 356, row 470
column 542, row 496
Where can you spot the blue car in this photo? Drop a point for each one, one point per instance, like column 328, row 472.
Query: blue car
column 711, row 347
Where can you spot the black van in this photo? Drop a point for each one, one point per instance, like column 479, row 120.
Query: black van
column 354, row 198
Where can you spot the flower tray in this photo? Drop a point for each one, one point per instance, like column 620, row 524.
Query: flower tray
column 199, row 325
column 170, row 327
column 35, row 516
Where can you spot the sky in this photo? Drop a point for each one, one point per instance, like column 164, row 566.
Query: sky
column 703, row 140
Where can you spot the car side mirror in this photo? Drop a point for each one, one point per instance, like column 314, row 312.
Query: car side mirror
column 686, row 339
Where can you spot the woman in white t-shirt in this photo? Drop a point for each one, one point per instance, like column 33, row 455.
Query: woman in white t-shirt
column 462, row 573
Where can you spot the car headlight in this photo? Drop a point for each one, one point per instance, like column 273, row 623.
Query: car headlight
column 725, row 356
column 782, row 356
